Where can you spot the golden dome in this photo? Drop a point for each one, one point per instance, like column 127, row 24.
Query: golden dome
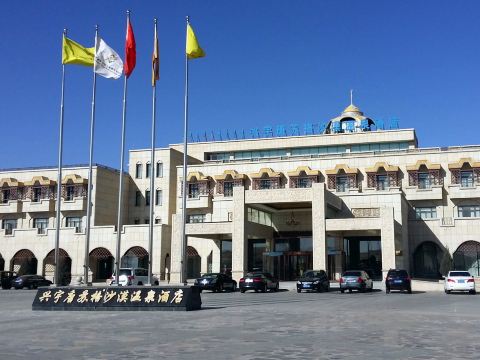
column 352, row 109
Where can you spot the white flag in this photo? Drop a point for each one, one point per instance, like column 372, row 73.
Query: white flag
column 107, row 62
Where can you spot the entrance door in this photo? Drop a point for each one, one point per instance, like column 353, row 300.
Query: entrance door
column 364, row 253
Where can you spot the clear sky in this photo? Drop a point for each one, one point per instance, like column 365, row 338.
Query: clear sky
column 268, row 63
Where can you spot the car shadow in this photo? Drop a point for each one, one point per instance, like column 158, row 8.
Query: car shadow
column 414, row 292
column 462, row 293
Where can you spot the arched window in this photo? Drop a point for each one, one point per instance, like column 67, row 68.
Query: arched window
column 148, row 170
column 467, row 257
column 138, row 171
column 427, row 258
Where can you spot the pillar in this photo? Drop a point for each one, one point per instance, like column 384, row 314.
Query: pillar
column 176, row 248
column 239, row 236
column 387, row 233
column 318, row 227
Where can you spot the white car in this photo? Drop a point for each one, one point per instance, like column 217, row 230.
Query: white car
column 459, row 281
column 133, row 276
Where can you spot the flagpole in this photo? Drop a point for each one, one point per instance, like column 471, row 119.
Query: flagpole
column 183, row 272
column 90, row 175
column 59, row 176
column 152, row 167
column 120, row 185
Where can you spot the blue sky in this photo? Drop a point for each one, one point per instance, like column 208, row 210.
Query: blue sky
column 268, row 63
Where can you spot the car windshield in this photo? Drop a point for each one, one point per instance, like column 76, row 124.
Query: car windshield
column 352, row 273
column 401, row 273
column 460, row 273
column 210, row 276
column 312, row 274
column 125, row 272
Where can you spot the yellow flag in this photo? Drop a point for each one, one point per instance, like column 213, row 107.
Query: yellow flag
column 155, row 60
column 74, row 53
column 193, row 48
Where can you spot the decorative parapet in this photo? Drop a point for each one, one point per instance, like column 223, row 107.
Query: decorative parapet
column 366, row 212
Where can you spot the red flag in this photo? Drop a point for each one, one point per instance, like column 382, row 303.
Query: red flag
column 130, row 50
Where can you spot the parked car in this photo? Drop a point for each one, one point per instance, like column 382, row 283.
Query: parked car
column 459, row 281
column 355, row 280
column 30, row 282
column 6, row 278
column 132, row 276
column 258, row 281
column 313, row 280
column 398, row 280
column 216, row 282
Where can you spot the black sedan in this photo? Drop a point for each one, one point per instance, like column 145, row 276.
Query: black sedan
column 30, row 282
column 398, row 280
column 258, row 281
column 216, row 282
column 313, row 280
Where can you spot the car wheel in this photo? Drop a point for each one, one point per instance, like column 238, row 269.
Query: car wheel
column 242, row 291
column 327, row 289
column 277, row 287
column 472, row 292
column 220, row 288
column 342, row 291
column 349, row 290
column 156, row 283
column 30, row 286
column 200, row 291
column 264, row 288
column 140, row 283
column 299, row 291
column 409, row 290
column 447, row 291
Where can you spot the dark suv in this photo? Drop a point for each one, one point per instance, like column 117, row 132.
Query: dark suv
column 6, row 278
column 398, row 280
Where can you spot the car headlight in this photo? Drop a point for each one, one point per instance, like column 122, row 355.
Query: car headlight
column 299, row 283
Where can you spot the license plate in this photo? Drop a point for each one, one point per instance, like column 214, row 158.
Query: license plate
column 398, row 281
column 461, row 281
column 249, row 280
column 306, row 285
column 351, row 280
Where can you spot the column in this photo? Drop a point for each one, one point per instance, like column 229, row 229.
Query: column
column 318, row 227
column 387, row 233
column 176, row 248
column 239, row 236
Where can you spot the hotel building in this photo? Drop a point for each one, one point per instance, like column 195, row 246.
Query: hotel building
column 350, row 198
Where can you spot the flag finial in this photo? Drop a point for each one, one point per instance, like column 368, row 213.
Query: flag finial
column 188, row 19
column 155, row 21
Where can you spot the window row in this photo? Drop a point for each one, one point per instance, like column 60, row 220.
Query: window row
column 147, row 221
column 148, row 170
column 463, row 211
column 38, row 193
column 146, row 202
column 41, row 224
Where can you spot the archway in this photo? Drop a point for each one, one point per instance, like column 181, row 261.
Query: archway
column 467, row 257
column 24, row 263
column 101, row 264
column 194, row 262
column 64, row 270
column 135, row 257
column 427, row 258
column 2, row 263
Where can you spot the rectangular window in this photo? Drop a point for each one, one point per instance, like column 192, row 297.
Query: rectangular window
column 36, row 194
column 136, row 221
column 466, row 211
column 228, row 188
column 342, row 183
column 425, row 213
column 158, row 221
column 5, row 196
column 147, row 197
column 138, row 171
column 466, row 178
column 196, row 218
column 265, row 184
column 41, row 225
column 69, row 192
column 383, row 182
column 159, row 171
column 8, row 225
column 138, row 198
column 425, row 180
column 75, row 222
column 158, row 197
column 148, row 170
column 193, row 190
column 304, row 183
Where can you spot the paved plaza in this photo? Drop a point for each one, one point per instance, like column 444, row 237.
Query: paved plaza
column 283, row 325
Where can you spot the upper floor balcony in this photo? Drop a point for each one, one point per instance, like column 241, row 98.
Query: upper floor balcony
column 10, row 206
column 74, row 204
column 38, row 205
column 459, row 191
column 433, row 192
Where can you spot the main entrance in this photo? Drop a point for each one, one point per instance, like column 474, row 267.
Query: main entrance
column 364, row 253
